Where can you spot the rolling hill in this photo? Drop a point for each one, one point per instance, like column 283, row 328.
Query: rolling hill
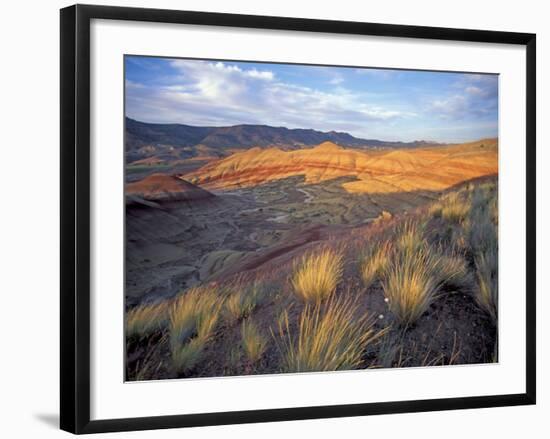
column 177, row 141
column 387, row 171
column 162, row 187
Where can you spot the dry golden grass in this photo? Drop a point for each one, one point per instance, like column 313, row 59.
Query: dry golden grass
column 483, row 234
column 481, row 230
column 413, row 278
column 453, row 207
column 452, row 270
column 183, row 316
column 375, row 262
column 486, row 293
column 243, row 300
column 193, row 319
column 186, row 356
column 328, row 337
column 384, row 217
column 146, row 319
column 410, row 236
column 254, row 343
column 459, row 238
column 409, row 284
column 477, row 236
column 207, row 321
column 317, row 274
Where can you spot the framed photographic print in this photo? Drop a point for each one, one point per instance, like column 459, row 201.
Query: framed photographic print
column 268, row 218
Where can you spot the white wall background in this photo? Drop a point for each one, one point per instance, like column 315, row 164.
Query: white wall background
column 29, row 248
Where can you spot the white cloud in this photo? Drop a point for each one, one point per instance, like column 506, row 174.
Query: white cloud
column 265, row 74
column 473, row 90
column 336, row 80
column 195, row 67
column 217, row 93
column 453, row 106
column 473, row 96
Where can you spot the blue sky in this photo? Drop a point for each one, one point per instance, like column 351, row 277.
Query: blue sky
column 368, row 103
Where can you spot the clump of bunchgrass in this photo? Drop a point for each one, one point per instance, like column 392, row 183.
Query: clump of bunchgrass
column 374, row 262
column 410, row 236
column 416, row 272
column 317, row 274
column 193, row 319
column 207, row 320
column 451, row 269
column 486, row 293
column 410, row 285
column 254, row 343
column 483, row 194
column 186, row 356
column 243, row 300
column 328, row 337
column 184, row 315
column 419, row 270
column 481, row 231
column 455, row 207
column 144, row 320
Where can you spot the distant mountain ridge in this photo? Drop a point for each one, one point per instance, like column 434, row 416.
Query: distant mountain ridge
column 149, row 139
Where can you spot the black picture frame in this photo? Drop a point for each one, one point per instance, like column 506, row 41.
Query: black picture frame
column 75, row 217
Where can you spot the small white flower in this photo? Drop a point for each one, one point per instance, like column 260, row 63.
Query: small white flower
column 381, row 316
column 386, row 300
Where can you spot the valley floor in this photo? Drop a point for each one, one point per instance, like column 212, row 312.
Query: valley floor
column 184, row 243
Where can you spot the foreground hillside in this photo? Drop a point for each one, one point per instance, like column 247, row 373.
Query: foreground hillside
column 402, row 170
column 415, row 288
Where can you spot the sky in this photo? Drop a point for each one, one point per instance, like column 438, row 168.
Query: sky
column 394, row 105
